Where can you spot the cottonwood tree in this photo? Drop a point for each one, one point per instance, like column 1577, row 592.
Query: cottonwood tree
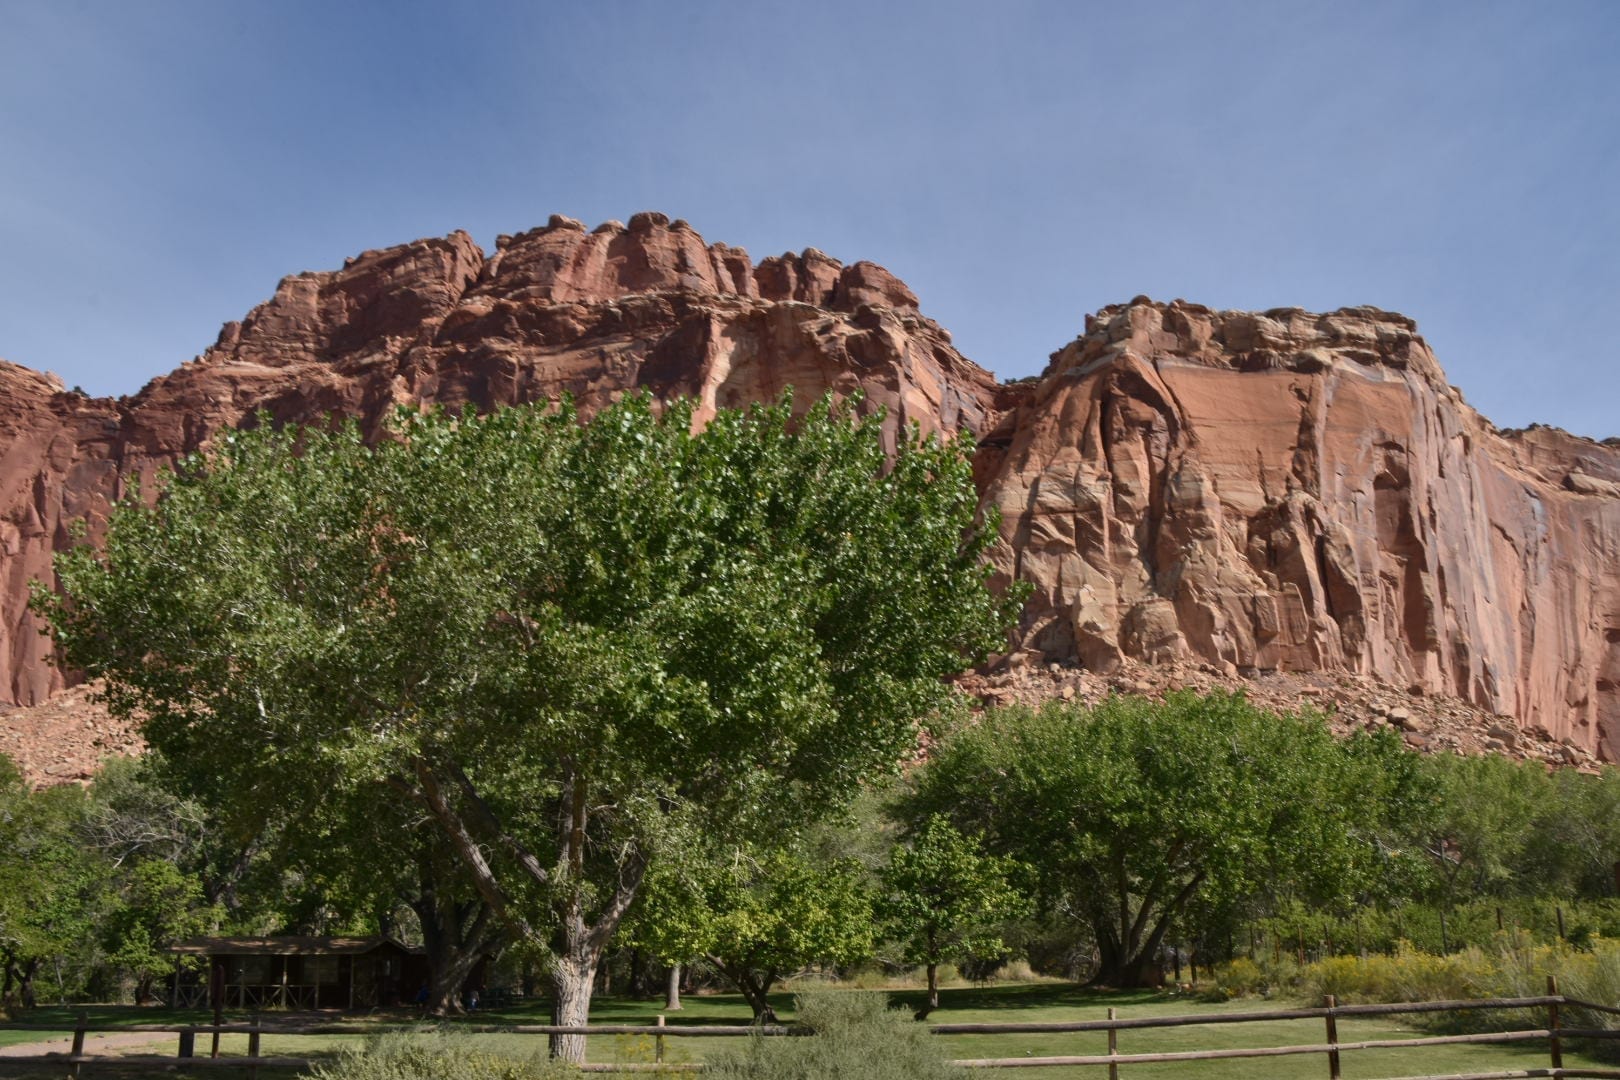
column 157, row 905
column 564, row 643
column 1131, row 810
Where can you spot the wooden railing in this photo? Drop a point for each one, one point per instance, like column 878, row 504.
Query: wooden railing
column 1331, row 1048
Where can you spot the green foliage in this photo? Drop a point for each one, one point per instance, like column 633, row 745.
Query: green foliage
column 51, row 888
column 406, row 1056
column 945, row 898
column 757, row 916
column 559, row 644
column 857, row 1037
column 1238, row 977
column 1131, row 811
column 132, row 817
column 1483, row 821
column 158, row 905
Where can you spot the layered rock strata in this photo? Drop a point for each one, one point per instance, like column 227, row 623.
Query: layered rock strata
column 554, row 310
column 1297, row 492
column 1243, row 493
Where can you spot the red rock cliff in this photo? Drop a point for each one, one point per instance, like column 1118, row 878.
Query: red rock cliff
column 553, row 310
column 1291, row 491
column 1283, row 491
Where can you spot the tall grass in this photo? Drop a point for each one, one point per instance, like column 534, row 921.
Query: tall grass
column 1514, row 967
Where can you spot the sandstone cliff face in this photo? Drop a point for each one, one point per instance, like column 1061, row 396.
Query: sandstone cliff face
column 1303, row 492
column 1229, row 493
column 553, row 310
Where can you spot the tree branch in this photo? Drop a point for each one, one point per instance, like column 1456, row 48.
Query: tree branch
column 492, row 825
column 432, row 795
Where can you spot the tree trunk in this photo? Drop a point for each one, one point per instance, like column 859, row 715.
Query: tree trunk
column 754, row 986
column 933, row 986
column 672, row 989
column 26, row 989
column 457, row 935
column 572, row 980
column 450, row 968
column 576, row 945
column 1128, row 945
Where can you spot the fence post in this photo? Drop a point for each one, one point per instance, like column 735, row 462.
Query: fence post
column 1555, row 1045
column 219, row 1018
column 78, row 1042
column 188, row 1045
column 253, row 1049
column 1113, row 1045
column 1332, row 1037
column 658, row 1043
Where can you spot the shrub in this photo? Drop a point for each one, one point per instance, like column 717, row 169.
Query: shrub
column 857, row 1037
column 1409, row 975
column 1237, row 978
column 405, row 1056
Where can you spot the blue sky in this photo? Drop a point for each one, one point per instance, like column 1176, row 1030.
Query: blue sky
column 164, row 163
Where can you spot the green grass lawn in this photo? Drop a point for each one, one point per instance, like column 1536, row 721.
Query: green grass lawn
column 996, row 1004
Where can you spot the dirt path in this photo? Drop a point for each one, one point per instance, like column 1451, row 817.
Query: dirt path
column 93, row 1043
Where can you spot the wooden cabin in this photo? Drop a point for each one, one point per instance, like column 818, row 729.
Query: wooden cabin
column 306, row 972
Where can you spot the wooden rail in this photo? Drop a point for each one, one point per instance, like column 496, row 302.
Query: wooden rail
column 1554, row 1033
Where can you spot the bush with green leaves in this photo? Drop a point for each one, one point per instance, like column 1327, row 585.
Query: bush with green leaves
column 857, row 1037
column 406, row 1056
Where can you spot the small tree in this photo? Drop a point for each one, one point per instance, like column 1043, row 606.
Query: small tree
column 156, row 906
column 52, row 890
column 943, row 897
column 757, row 917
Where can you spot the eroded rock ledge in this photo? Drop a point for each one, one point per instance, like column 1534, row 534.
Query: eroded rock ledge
column 1301, row 492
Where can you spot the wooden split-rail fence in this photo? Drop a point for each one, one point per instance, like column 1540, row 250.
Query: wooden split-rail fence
column 1331, row 1048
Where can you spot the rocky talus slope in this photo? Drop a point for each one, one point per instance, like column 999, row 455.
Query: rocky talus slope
column 1293, row 502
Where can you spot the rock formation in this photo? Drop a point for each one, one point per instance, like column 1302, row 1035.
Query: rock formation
column 1241, row 493
column 554, row 310
column 1303, row 492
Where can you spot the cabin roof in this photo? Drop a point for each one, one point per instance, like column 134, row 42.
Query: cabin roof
column 288, row 945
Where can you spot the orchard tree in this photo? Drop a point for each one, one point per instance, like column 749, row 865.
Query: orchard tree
column 944, row 898
column 561, row 642
column 1484, row 828
column 1131, row 810
column 759, row 916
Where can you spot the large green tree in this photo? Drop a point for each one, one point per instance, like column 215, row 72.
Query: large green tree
column 1483, row 827
column 1131, row 810
column 565, row 643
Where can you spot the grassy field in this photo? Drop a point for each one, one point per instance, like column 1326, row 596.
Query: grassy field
column 997, row 1004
